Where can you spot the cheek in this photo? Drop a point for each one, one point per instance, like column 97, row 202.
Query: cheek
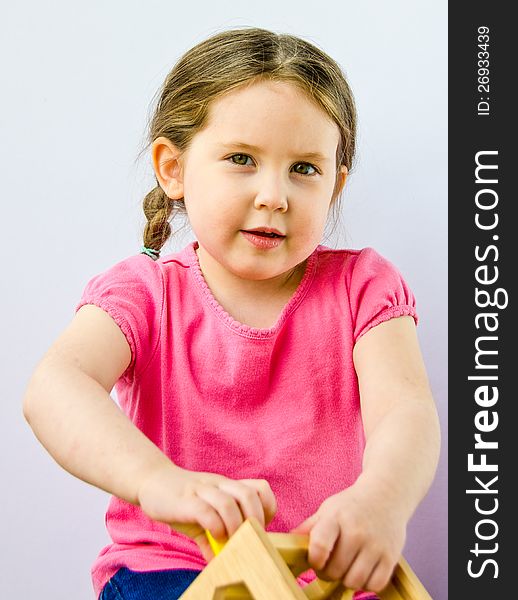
column 313, row 221
column 225, row 206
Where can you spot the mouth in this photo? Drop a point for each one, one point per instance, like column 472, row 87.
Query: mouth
column 265, row 232
column 263, row 238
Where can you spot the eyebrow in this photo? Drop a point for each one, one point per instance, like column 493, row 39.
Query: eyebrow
column 318, row 156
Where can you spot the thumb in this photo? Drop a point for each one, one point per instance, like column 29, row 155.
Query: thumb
column 306, row 526
column 205, row 547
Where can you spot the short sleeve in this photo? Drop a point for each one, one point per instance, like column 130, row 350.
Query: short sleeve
column 132, row 293
column 377, row 292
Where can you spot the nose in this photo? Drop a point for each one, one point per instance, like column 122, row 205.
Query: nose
column 272, row 193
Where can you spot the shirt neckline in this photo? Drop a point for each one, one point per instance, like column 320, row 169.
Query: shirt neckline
column 237, row 326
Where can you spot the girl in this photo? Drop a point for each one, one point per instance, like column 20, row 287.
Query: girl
column 258, row 372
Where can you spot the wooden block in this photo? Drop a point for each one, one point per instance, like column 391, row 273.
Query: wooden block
column 255, row 565
column 248, row 558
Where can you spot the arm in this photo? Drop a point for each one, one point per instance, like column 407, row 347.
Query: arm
column 357, row 535
column 68, row 405
column 399, row 414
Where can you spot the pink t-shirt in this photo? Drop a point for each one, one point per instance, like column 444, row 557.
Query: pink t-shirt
column 280, row 404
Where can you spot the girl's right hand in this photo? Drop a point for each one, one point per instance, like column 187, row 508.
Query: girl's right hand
column 192, row 502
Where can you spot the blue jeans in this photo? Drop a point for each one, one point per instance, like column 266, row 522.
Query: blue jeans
column 150, row 585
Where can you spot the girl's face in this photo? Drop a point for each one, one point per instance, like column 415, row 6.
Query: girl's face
column 265, row 160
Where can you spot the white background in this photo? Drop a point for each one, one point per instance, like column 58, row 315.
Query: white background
column 77, row 83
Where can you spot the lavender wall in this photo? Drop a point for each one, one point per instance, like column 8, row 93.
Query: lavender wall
column 78, row 79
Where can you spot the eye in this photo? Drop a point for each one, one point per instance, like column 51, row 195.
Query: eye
column 239, row 159
column 302, row 168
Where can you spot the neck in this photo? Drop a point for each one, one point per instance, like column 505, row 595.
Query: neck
column 224, row 283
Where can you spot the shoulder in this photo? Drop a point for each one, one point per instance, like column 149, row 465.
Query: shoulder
column 132, row 292
column 371, row 284
column 138, row 266
column 351, row 262
column 142, row 271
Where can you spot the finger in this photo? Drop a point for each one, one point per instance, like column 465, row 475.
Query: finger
column 322, row 539
column 197, row 533
column 194, row 517
column 204, row 546
column 247, row 497
column 358, row 574
column 306, row 526
column 341, row 558
column 266, row 496
column 380, row 576
column 226, row 507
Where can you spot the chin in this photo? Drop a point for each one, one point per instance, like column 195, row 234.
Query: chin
column 254, row 274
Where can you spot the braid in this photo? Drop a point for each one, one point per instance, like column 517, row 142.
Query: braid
column 157, row 208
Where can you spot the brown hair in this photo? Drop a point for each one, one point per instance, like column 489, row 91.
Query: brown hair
column 223, row 62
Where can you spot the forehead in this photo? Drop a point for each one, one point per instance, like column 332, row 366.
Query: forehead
column 271, row 109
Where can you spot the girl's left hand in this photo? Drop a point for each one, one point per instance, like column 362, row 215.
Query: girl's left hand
column 357, row 537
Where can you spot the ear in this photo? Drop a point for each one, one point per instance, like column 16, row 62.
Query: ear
column 341, row 178
column 168, row 167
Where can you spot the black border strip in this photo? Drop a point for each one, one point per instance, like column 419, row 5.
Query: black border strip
column 482, row 524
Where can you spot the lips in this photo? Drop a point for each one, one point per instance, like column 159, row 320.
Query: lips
column 265, row 232
column 263, row 240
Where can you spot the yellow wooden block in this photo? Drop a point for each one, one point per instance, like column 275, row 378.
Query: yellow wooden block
column 216, row 546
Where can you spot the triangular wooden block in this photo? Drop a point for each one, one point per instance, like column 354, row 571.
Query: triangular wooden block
column 255, row 565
